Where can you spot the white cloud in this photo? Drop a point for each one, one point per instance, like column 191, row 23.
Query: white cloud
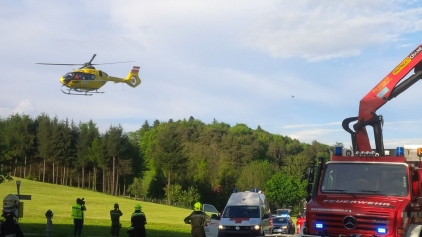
column 330, row 29
column 237, row 61
column 24, row 107
column 293, row 126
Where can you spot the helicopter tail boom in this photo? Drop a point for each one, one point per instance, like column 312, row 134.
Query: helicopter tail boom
column 133, row 79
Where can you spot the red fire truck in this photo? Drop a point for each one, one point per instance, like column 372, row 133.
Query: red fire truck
column 366, row 191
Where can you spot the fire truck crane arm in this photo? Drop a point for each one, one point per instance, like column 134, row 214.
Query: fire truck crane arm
column 387, row 89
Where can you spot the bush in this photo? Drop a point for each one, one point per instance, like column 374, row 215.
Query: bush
column 29, row 177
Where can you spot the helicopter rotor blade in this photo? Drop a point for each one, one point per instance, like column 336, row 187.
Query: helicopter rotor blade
column 64, row 64
column 88, row 64
column 92, row 59
column 84, row 65
column 112, row 63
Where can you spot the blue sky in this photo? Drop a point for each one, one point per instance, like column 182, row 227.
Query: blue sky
column 237, row 61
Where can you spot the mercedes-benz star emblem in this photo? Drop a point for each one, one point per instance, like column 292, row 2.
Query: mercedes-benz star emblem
column 349, row 222
column 237, row 227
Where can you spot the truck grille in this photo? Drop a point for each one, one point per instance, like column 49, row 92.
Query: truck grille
column 378, row 213
column 335, row 224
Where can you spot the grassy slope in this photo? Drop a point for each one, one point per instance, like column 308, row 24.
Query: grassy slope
column 147, row 179
column 162, row 220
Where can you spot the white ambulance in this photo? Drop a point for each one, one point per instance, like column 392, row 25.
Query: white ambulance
column 246, row 214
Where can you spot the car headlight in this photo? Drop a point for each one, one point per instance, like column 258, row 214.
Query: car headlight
column 284, row 227
column 221, row 227
column 257, row 227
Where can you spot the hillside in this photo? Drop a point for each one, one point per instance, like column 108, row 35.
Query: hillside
column 162, row 220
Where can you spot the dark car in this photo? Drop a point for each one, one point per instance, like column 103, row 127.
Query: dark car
column 283, row 225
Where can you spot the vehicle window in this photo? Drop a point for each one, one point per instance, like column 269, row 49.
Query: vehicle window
column 280, row 220
column 210, row 209
column 365, row 179
column 241, row 212
column 282, row 212
column 68, row 76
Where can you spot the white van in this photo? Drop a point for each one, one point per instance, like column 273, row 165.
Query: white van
column 246, row 214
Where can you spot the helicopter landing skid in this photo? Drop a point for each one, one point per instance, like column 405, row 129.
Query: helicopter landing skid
column 68, row 93
column 82, row 93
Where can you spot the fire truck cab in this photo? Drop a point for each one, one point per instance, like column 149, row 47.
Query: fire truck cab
column 365, row 191
column 367, row 196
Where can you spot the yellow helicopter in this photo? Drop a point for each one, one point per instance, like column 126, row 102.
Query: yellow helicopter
column 87, row 80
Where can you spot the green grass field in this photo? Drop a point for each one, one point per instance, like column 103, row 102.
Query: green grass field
column 163, row 220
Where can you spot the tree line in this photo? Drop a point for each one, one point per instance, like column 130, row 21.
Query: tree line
column 189, row 160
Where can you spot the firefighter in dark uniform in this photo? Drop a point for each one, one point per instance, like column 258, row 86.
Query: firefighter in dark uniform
column 115, row 215
column 8, row 221
column 78, row 216
column 138, row 220
column 9, row 226
column 197, row 219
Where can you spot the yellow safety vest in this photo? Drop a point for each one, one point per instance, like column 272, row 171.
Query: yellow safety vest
column 77, row 212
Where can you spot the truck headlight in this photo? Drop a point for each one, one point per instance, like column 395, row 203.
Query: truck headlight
column 257, row 227
column 381, row 230
column 221, row 227
column 319, row 225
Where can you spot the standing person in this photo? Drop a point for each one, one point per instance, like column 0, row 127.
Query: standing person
column 115, row 220
column 138, row 220
column 78, row 216
column 8, row 222
column 197, row 219
column 9, row 225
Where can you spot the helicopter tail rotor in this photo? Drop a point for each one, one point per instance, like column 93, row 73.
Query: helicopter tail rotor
column 132, row 78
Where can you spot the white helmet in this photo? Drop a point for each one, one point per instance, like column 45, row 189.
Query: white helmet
column 10, row 201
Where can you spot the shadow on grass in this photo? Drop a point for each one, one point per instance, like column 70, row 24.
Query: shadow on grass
column 66, row 230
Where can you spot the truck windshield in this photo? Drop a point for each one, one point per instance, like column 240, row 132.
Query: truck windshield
column 241, row 212
column 374, row 178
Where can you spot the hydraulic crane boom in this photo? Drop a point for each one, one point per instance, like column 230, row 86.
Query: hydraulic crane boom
column 384, row 91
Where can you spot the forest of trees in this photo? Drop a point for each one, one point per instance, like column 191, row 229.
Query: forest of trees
column 190, row 160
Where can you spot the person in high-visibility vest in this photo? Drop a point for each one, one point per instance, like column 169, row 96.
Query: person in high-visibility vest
column 197, row 219
column 78, row 216
column 138, row 220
